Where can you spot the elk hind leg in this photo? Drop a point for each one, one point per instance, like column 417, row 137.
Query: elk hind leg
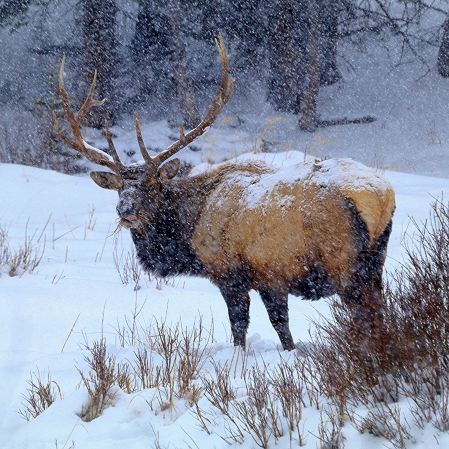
column 365, row 297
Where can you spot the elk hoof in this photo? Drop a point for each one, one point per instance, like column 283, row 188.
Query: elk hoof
column 240, row 342
column 288, row 345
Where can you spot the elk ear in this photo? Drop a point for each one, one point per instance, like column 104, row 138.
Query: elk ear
column 106, row 179
column 169, row 170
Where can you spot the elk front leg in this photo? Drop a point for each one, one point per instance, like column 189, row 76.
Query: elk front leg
column 276, row 304
column 237, row 300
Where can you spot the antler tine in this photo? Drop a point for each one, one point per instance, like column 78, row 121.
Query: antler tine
column 111, row 146
column 222, row 96
column 89, row 101
column 93, row 154
column 143, row 149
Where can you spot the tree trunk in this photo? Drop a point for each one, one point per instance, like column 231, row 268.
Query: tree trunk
column 141, row 52
column 286, row 56
column 308, row 118
column 443, row 53
column 329, row 39
column 100, row 54
column 184, row 86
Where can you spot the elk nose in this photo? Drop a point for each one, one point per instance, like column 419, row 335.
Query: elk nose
column 125, row 208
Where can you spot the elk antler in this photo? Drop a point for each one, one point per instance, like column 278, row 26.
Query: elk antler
column 143, row 149
column 98, row 156
column 93, row 154
column 222, row 96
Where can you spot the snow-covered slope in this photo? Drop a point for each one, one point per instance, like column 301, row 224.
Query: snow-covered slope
column 77, row 285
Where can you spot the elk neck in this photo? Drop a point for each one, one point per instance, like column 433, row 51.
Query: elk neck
column 164, row 247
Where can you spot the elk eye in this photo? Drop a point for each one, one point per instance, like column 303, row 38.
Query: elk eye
column 152, row 184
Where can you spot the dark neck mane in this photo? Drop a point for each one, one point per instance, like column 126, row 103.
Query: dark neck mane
column 164, row 247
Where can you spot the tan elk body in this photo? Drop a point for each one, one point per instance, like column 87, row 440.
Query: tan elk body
column 311, row 229
column 282, row 222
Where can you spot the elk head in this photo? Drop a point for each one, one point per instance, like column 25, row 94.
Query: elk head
column 139, row 185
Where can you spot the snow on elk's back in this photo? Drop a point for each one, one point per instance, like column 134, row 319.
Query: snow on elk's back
column 347, row 175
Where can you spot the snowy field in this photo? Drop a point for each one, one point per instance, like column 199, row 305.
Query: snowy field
column 76, row 295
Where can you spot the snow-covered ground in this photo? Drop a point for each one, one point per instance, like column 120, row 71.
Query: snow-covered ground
column 77, row 285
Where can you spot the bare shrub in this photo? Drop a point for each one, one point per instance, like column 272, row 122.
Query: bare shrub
column 411, row 360
column 272, row 403
column 24, row 259
column 192, row 352
column 218, row 388
column 330, row 429
column 165, row 342
column 419, row 299
column 168, row 358
column 125, row 378
column 99, row 381
column 385, row 420
column 128, row 333
column 288, row 387
column 429, row 399
column 148, row 374
column 183, row 353
column 40, row 394
column 258, row 414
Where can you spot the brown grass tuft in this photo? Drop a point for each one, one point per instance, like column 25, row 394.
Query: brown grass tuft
column 99, row 381
column 24, row 259
column 40, row 394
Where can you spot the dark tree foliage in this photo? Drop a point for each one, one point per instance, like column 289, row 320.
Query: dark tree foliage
column 313, row 56
column 159, row 50
column 11, row 11
column 330, row 12
column 244, row 23
column 302, row 53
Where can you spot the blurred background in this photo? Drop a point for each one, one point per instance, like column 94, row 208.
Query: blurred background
column 359, row 78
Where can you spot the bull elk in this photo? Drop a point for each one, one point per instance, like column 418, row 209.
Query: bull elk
column 311, row 230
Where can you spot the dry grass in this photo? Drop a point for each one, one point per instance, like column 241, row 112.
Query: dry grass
column 128, row 267
column 99, row 381
column 167, row 359
column 91, row 221
column 41, row 392
column 20, row 260
column 330, row 432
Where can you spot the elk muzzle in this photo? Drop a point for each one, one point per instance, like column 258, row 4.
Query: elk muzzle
column 129, row 218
